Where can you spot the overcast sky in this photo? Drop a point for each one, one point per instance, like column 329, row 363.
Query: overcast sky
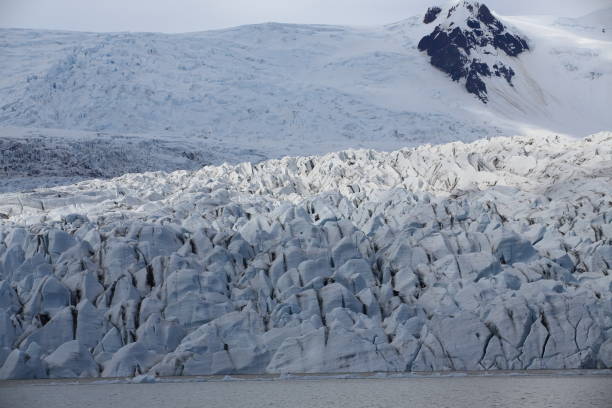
column 197, row 15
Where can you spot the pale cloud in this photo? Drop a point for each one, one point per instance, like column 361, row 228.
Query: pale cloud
column 196, row 15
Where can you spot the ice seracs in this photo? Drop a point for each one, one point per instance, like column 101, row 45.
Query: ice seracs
column 489, row 255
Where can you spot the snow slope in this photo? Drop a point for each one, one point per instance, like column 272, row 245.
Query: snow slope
column 270, row 81
column 596, row 22
column 271, row 90
column 488, row 255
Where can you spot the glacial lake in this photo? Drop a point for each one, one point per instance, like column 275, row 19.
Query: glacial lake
column 558, row 390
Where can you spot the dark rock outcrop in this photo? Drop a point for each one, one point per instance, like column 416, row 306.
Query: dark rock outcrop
column 431, row 15
column 466, row 42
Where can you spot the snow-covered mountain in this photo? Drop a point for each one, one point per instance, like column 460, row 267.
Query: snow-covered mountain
column 472, row 44
column 269, row 90
column 427, row 253
column 490, row 255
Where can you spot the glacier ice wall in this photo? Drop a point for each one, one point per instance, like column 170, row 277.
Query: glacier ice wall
column 490, row 255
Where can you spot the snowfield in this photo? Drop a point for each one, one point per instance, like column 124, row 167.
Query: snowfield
column 490, row 255
column 250, row 93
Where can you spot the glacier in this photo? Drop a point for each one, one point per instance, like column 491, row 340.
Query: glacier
column 495, row 254
column 79, row 105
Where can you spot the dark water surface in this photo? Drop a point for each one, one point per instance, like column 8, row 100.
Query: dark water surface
column 533, row 391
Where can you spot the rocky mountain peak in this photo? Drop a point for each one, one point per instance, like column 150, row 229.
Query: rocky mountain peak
column 470, row 43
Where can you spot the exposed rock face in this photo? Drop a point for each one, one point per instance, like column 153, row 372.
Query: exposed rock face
column 493, row 255
column 431, row 15
column 470, row 44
